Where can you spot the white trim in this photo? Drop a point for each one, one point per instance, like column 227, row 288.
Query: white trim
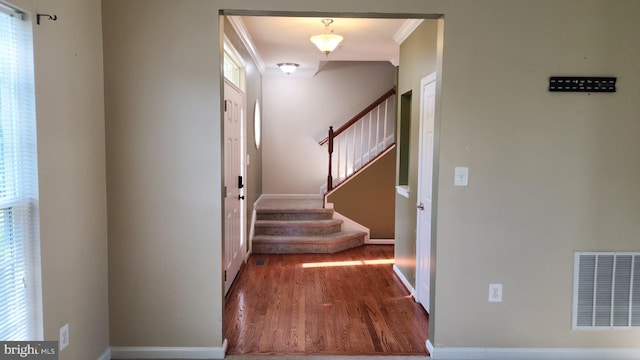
column 243, row 33
column 254, row 215
column 381, row 241
column 464, row 353
column 403, row 190
column 233, row 53
column 12, row 10
column 409, row 26
column 404, row 280
column 426, row 156
column 106, row 355
column 348, row 224
column 152, row 352
column 429, row 78
column 430, row 348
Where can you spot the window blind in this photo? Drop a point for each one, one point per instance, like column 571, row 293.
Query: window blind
column 20, row 289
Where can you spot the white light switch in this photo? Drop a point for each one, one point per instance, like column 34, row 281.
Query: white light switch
column 495, row 292
column 461, row 176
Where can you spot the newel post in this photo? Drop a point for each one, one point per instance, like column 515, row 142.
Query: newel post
column 330, row 147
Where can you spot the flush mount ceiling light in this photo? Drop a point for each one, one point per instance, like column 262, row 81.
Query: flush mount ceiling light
column 327, row 41
column 288, row 68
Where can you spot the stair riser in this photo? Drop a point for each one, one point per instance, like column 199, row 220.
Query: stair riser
column 296, row 230
column 294, row 216
column 311, row 248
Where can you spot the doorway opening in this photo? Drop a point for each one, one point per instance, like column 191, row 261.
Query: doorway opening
column 407, row 173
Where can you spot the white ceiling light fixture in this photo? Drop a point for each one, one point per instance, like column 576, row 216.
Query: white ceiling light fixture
column 288, row 68
column 327, row 41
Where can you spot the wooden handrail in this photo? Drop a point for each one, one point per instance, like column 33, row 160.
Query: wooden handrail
column 361, row 114
column 330, row 177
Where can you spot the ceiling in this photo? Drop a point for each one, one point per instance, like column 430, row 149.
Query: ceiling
column 273, row 40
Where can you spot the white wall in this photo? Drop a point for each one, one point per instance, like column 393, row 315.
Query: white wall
column 71, row 167
column 297, row 115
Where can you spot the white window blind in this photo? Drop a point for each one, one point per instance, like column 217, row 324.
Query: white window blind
column 20, row 289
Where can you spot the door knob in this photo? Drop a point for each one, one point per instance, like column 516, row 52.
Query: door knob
column 420, row 206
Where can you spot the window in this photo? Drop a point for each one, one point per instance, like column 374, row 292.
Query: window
column 20, row 291
column 234, row 67
column 405, row 129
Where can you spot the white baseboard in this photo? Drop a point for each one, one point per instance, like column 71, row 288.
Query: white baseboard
column 350, row 225
column 404, row 280
column 148, row 352
column 381, row 241
column 252, row 230
column 429, row 347
column 531, row 353
column 106, row 355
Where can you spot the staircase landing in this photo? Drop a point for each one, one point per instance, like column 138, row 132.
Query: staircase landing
column 300, row 225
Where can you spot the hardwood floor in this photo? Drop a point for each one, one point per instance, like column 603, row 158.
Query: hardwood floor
column 344, row 304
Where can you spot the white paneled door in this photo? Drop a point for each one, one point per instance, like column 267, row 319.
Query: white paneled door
column 234, row 179
column 425, row 189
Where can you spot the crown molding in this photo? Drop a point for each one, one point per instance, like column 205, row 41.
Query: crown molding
column 241, row 30
column 409, row 26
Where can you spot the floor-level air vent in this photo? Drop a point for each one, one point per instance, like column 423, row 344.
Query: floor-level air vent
column 261, row 262
column 606, row 290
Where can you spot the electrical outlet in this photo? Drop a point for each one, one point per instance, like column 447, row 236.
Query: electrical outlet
column 495, row 292
column 64, row 337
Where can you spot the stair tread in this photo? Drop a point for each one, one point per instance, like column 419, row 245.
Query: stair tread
column 306, row 223
column 292, row 210
column 308, row 238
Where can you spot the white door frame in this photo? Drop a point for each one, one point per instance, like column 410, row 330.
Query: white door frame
column 424, row 222
column 239, row 87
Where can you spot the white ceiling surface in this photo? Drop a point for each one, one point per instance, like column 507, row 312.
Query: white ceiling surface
column 286, row 39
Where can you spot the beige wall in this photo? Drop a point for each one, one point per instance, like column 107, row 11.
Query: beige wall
column 369, row 197
column 71, row 167
column 417, row 60
column 162, row 90
column 549, row 173
column 298, row 113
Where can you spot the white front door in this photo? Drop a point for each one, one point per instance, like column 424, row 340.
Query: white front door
column 234, row 180
column 425, row 189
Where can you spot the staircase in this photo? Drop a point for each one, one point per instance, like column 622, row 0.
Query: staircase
column 360, row 140
column 287, row 226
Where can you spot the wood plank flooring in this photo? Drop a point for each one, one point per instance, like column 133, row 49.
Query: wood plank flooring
column 344, row 304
